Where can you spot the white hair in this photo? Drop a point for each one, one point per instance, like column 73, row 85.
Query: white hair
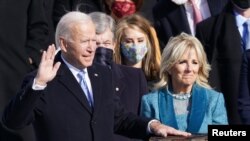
column 67, row 22
column 102, row 22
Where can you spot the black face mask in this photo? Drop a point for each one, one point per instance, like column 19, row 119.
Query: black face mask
column 243, row 4
column 104, row 56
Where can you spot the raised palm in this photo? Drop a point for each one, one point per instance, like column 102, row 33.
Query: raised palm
column 47, row 69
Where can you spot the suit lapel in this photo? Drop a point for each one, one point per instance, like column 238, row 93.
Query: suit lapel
column 119, row 79
column 66, row 78
column 228, row 27
column 95, row 80
column 166, row 109
column 198, row 109
column 234, row 29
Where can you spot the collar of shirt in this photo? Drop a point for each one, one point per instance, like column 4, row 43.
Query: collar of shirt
column 202, row 6
column 204, row 9
column 239, row 21
column 73, row 69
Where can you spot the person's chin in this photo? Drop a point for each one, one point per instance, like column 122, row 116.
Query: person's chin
column 188, row 83
column 89, row 63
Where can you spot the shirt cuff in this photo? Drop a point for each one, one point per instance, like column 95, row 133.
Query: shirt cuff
column 37, row 87
column 149, row 123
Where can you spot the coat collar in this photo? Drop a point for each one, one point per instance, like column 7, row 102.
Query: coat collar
column 197, row 111
column 95, row 80
column 66, row 78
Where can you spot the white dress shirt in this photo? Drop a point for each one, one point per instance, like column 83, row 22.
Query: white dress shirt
column 204, row 9
column 240, row 20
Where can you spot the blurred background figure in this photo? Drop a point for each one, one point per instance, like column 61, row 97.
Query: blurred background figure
column 175, row 16
column 23, row 37
column 147, row 9
column 49, row 11
column 61, row 7
column 184, row 99
column 137, row 46
column 130, row 83
column 244, row 93
column 222, row 37
column 121, row 8
column 116, row 8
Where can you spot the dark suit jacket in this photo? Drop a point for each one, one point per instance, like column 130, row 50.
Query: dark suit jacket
column 171, row 20
column 130, row 86
column 61, row 111
column 244, row 95
column 130, row 83
column 222, row 42
column 147, row 9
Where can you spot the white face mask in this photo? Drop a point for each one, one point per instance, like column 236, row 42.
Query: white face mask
column 179, row 2
column 134, row 53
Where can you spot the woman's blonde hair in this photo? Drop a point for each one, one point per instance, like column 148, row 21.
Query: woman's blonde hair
column 151, row 61
column 173, row 52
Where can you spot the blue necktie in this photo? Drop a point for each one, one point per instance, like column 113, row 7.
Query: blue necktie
column 245, row 36
column 81, row 76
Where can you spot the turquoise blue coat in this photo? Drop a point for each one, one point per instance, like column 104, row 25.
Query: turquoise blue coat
column 207, row 108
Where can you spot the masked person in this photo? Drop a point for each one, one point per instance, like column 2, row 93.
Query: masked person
column 130, row 83
column 223, row 39
column 137, row 46
column 121, row 8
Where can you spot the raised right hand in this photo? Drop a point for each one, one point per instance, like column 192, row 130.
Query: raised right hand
column 46, row 70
